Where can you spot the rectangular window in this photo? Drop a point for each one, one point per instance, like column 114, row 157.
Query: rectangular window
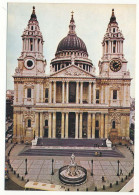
column 29, row 123
column 113, row 29
column 29, row 93
column 114, row 94
column 97, row 94
column 46, row 93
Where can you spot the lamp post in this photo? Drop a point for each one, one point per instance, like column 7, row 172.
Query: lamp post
column 52, row 167
column 26, row 172
column 92, row 168
column 118, row 168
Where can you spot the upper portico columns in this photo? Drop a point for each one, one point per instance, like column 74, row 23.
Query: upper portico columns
column 89, row 92
column 81, row 92
column 77, row 92
column 63, row 91
column 50, row 91
column 94, row 92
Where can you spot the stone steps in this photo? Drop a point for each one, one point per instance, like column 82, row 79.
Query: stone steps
column 71, row 142
column 68, row 152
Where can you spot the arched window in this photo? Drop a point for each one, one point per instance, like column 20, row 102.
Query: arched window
column 113, row 124
column 29, row 122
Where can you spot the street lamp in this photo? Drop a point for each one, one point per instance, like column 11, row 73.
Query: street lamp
column 52, row 167
column 118, row 168
column 26, row 166
column 92, row 168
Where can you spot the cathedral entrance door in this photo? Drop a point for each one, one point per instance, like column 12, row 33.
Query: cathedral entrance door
column 71, row 131
column 45, row 132
column 96, row 133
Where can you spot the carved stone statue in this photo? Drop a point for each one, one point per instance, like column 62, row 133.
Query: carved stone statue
column 72, row 159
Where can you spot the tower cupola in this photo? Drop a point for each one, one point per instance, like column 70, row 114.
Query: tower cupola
column 31, row 61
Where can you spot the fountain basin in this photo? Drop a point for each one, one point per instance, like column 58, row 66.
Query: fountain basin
column 77, row 179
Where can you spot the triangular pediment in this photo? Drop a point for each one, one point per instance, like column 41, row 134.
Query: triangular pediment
column 72, row 71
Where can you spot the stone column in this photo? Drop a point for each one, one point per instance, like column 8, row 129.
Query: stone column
column 54, row 100
column 41, row 124
column 77, row 92
column 37, row 126
column 106, row 94
column 67, row 92
column 106, row 126
column 50, row 92
column 63, row 91
column 76, row 127
column 89, row 93
column 81, row 124
column 124, row 95
column 102, row 126
column 93, row 125
column 67, row 125
column 94, row 93
column 81, row 93
column 62, row 126
column 50, row 125
column 89, row 126
column 54, row 125
column 101, row 94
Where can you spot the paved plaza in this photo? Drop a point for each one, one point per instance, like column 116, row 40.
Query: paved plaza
column 40, row 168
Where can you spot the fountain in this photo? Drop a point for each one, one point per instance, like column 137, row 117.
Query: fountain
column 72, row 174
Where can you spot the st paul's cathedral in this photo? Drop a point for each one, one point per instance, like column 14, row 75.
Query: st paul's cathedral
column 72, row 102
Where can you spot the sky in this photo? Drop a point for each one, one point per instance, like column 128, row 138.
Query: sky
column 91, row 23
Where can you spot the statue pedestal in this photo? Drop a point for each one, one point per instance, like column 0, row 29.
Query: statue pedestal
column 34, row 141
column 108, row 143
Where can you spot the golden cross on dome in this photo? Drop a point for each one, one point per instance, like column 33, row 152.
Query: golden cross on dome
column 72, row 12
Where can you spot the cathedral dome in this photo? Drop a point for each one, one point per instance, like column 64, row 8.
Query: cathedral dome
column 71, row 42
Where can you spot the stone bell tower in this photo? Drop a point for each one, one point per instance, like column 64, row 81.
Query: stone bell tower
column 31, row 62
column 113, row 64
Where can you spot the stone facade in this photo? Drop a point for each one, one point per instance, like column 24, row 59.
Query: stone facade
column 72, row 102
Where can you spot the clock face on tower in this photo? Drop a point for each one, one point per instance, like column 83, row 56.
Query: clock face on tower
column 115, row 65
